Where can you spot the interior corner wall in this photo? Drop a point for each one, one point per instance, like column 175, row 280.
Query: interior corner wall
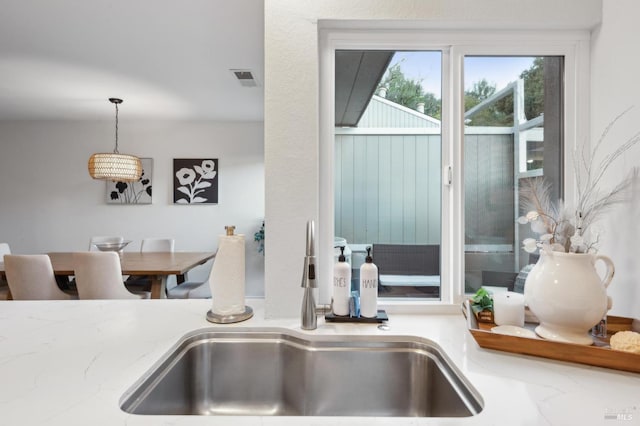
column 48, row 202
column 614, row 88
column 292, row 101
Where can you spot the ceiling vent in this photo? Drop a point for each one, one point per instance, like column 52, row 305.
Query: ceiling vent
column 245, row 78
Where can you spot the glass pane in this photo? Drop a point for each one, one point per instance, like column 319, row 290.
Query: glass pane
column 534, row 144
column 388, row 168
column 513, row 131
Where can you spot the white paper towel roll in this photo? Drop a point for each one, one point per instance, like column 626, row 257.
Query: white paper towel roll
column 227, row 276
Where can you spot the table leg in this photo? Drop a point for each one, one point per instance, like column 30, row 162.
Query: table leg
column 158, row 286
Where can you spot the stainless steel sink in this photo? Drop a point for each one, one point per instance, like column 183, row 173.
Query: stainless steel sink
column 279, row 372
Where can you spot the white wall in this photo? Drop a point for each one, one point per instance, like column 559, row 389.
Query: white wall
column 614, row 87
column 48, row 202
column 291, row 102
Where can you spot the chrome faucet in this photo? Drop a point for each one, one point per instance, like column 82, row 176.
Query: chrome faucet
column 310, row 312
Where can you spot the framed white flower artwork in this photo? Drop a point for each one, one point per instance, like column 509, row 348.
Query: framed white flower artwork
column 138, row 192
column 195, row 181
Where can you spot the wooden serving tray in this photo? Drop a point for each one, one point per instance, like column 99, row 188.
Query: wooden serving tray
column 599, row 354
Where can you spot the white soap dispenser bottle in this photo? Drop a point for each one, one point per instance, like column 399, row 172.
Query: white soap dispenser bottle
column 341, row 285
column 369, row 287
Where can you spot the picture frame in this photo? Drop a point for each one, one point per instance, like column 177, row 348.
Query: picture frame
column 195, row 180
column 138, row 192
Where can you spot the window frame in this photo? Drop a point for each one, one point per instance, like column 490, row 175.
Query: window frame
column 454, row 45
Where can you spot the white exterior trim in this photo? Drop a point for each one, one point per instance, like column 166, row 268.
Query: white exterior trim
column 403, row 108
column 468, row 130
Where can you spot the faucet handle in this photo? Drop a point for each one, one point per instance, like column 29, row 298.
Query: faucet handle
column 309, row 271
column 310, row 238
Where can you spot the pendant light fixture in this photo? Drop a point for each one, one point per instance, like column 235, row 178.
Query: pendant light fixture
column 115, row 166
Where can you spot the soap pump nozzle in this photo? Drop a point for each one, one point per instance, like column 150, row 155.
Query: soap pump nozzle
column 369, row 259
column 341, row 258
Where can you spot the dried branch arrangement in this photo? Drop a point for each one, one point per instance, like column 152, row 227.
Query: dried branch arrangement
column 561, row 229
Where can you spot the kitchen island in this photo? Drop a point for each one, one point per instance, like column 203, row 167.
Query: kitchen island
column 70, row 362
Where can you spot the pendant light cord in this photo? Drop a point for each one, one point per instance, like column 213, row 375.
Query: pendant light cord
column 116, row 150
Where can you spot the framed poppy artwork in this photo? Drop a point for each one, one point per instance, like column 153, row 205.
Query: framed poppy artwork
column 138, row 192
column 195, row 181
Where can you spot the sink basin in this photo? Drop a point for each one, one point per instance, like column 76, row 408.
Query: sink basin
column 280, row 372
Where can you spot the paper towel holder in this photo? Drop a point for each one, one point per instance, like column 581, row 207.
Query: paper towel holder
column 229, row 319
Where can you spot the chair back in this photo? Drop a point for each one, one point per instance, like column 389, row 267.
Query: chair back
column 157, row 245
column 406, row 259
column 31, row 277
column 4, row 249
column 95, row 240
column 99, row 276
column 499, row 279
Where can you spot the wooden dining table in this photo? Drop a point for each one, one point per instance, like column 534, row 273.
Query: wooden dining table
column 158, row 266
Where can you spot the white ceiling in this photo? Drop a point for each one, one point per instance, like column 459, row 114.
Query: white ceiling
column 168, row 59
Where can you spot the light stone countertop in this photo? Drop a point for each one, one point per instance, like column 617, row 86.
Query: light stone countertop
column 69, row 362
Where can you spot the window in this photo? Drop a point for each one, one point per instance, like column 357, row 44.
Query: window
column 477, row 178
column 512, row 112
column 388, row 167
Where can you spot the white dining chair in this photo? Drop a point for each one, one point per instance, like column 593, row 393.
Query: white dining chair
column 103, row 239
column 191, row 289
column 99, row 276
column 157, row 245
column 31, row 277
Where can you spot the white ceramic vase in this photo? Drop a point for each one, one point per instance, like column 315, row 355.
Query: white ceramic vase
column 567, row 295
